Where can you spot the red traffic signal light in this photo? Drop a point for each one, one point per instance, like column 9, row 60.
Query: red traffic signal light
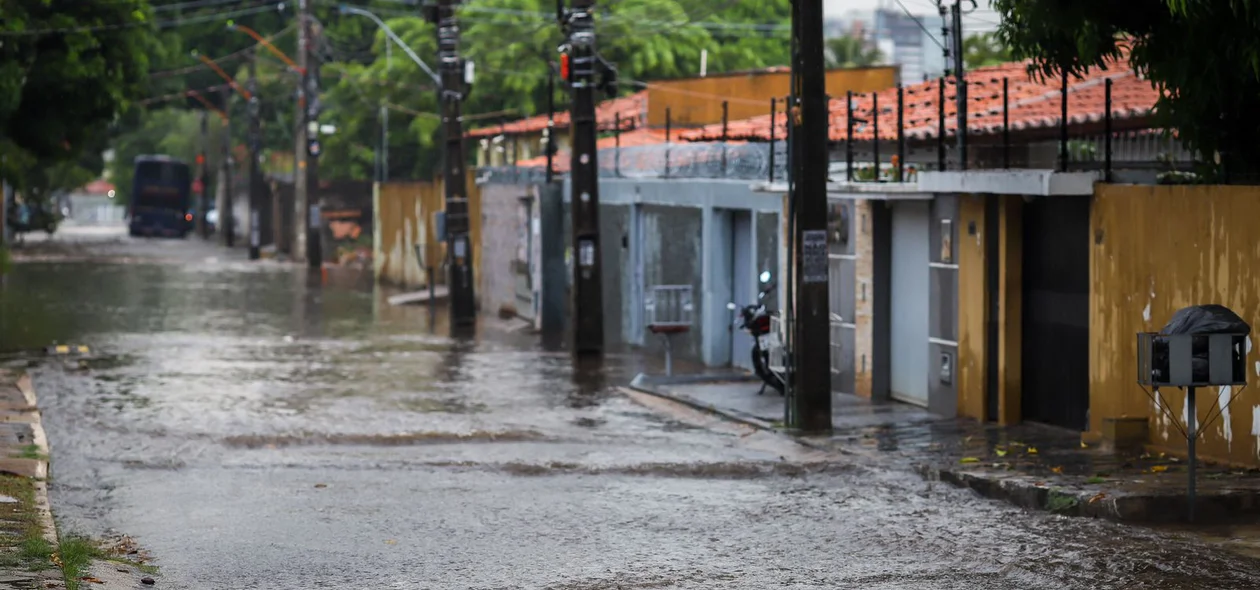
column 201, row 159
column 564, row 67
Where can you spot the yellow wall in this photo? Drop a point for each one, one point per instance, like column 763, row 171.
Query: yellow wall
column 1157, row 249
column 400, row 209
column 972, row 303
column 695, row 101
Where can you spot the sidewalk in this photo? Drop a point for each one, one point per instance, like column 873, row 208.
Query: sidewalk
column 1033, row 466
column 27, row 535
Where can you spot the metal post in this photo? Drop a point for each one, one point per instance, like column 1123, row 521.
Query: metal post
column 875, row 123
column 1107, row 131
column 460, row 280
column 901, row 133
column 940, row 122
column 668, row 121
column 773, row 115
column 617, row 144
column 848, row 139
column 1006, row 123
column 811, row 346
column 1192, row 423
column 551, row 122
column 669, row 355
column 226, row 217
column 1063, row 124
column 203, row 206
column 389, row 64
column 960, row 77
column 255, row 151
column 588, row 302
column 725, row 122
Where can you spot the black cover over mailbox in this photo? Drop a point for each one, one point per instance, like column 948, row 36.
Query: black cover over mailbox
column 1202, row 345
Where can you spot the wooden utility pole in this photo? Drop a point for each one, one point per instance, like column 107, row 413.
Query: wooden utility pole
column 960, row 81
column 454, row 87
column 578, row 69
column 811, row 318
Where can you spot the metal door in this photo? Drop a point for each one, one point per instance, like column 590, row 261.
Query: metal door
column 637, row 332
column 1055, row 347
column 909, row 302
column 523, row 265
column 744, row 286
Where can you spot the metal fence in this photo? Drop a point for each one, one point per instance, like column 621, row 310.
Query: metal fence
column 736, row 161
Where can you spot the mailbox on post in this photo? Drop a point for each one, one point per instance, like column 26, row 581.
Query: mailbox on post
column 1201, row 346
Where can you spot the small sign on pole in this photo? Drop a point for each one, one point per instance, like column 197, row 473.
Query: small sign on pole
column 814, row 267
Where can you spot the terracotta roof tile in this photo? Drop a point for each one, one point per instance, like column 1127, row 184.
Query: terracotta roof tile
column 1033, row 104
column 633, row 111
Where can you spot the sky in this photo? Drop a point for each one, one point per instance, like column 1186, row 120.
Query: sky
column 981, row 20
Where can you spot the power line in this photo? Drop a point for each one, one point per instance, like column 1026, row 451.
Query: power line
column 159, row 24
column 228, row 57
column 919, row 22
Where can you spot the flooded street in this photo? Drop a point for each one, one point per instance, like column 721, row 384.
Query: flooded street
column 253, row 427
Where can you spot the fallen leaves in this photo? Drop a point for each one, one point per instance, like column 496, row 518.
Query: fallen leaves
column 1032, row 450
column 92, row 580
column 391, row 542
column 969, row 460
column 1057, row 469
column 1159, row 468
column 320, row 486
column 1097, row 497
column 1000, row 452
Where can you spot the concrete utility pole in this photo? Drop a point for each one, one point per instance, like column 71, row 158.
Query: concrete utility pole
column 226, row 219
column 811, row 346
column 306, row 152
column 578, row 69
column 454, row 86
column 255, row 153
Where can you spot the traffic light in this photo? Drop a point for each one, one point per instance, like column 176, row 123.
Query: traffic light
column 564, row 67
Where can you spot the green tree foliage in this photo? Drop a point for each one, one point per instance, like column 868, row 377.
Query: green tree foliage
column 1203, row 55
column 984, row 50
column 66, row 70
column 849, row 51
column 511, row 42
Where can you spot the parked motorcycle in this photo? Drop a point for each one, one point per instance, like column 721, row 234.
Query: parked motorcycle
column 755, row 320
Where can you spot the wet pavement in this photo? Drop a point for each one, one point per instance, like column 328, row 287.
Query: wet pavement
column 251, row 427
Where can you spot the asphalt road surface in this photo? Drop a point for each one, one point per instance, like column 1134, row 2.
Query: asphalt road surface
column 253, row 428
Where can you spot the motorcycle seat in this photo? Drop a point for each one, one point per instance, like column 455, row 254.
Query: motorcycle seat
column 669, row 328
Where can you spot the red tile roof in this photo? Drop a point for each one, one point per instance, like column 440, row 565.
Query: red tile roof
column 636, row 138
column 97, row 187
column 1033, row 104
column 632, row 109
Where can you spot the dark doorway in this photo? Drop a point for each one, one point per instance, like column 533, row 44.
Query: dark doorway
column 1055, row 350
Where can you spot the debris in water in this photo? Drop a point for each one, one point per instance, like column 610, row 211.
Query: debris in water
column 969, row 460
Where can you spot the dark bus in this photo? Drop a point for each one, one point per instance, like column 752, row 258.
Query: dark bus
column 160, row 197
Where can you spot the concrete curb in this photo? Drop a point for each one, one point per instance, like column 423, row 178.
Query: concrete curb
column 653, row 386
column 42, row 503
column 1024, row 491
column 1100, row 501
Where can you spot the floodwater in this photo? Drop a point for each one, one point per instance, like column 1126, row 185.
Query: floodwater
column 252, row 427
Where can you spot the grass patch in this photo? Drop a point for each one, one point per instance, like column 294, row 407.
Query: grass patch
column 22, row 544
column 31, row 452
column 1061, row 503
column 76, row 554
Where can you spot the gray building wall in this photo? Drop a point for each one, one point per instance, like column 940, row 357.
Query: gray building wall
column 678, row 228
column 943, row 310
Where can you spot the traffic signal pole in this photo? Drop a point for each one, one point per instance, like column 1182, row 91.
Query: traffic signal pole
column 811, row 317
column 203, row 168
column 579, row 64
column 460, row 280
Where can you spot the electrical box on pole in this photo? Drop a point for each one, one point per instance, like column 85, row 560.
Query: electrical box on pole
column 456, row 78
column 579, row 61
